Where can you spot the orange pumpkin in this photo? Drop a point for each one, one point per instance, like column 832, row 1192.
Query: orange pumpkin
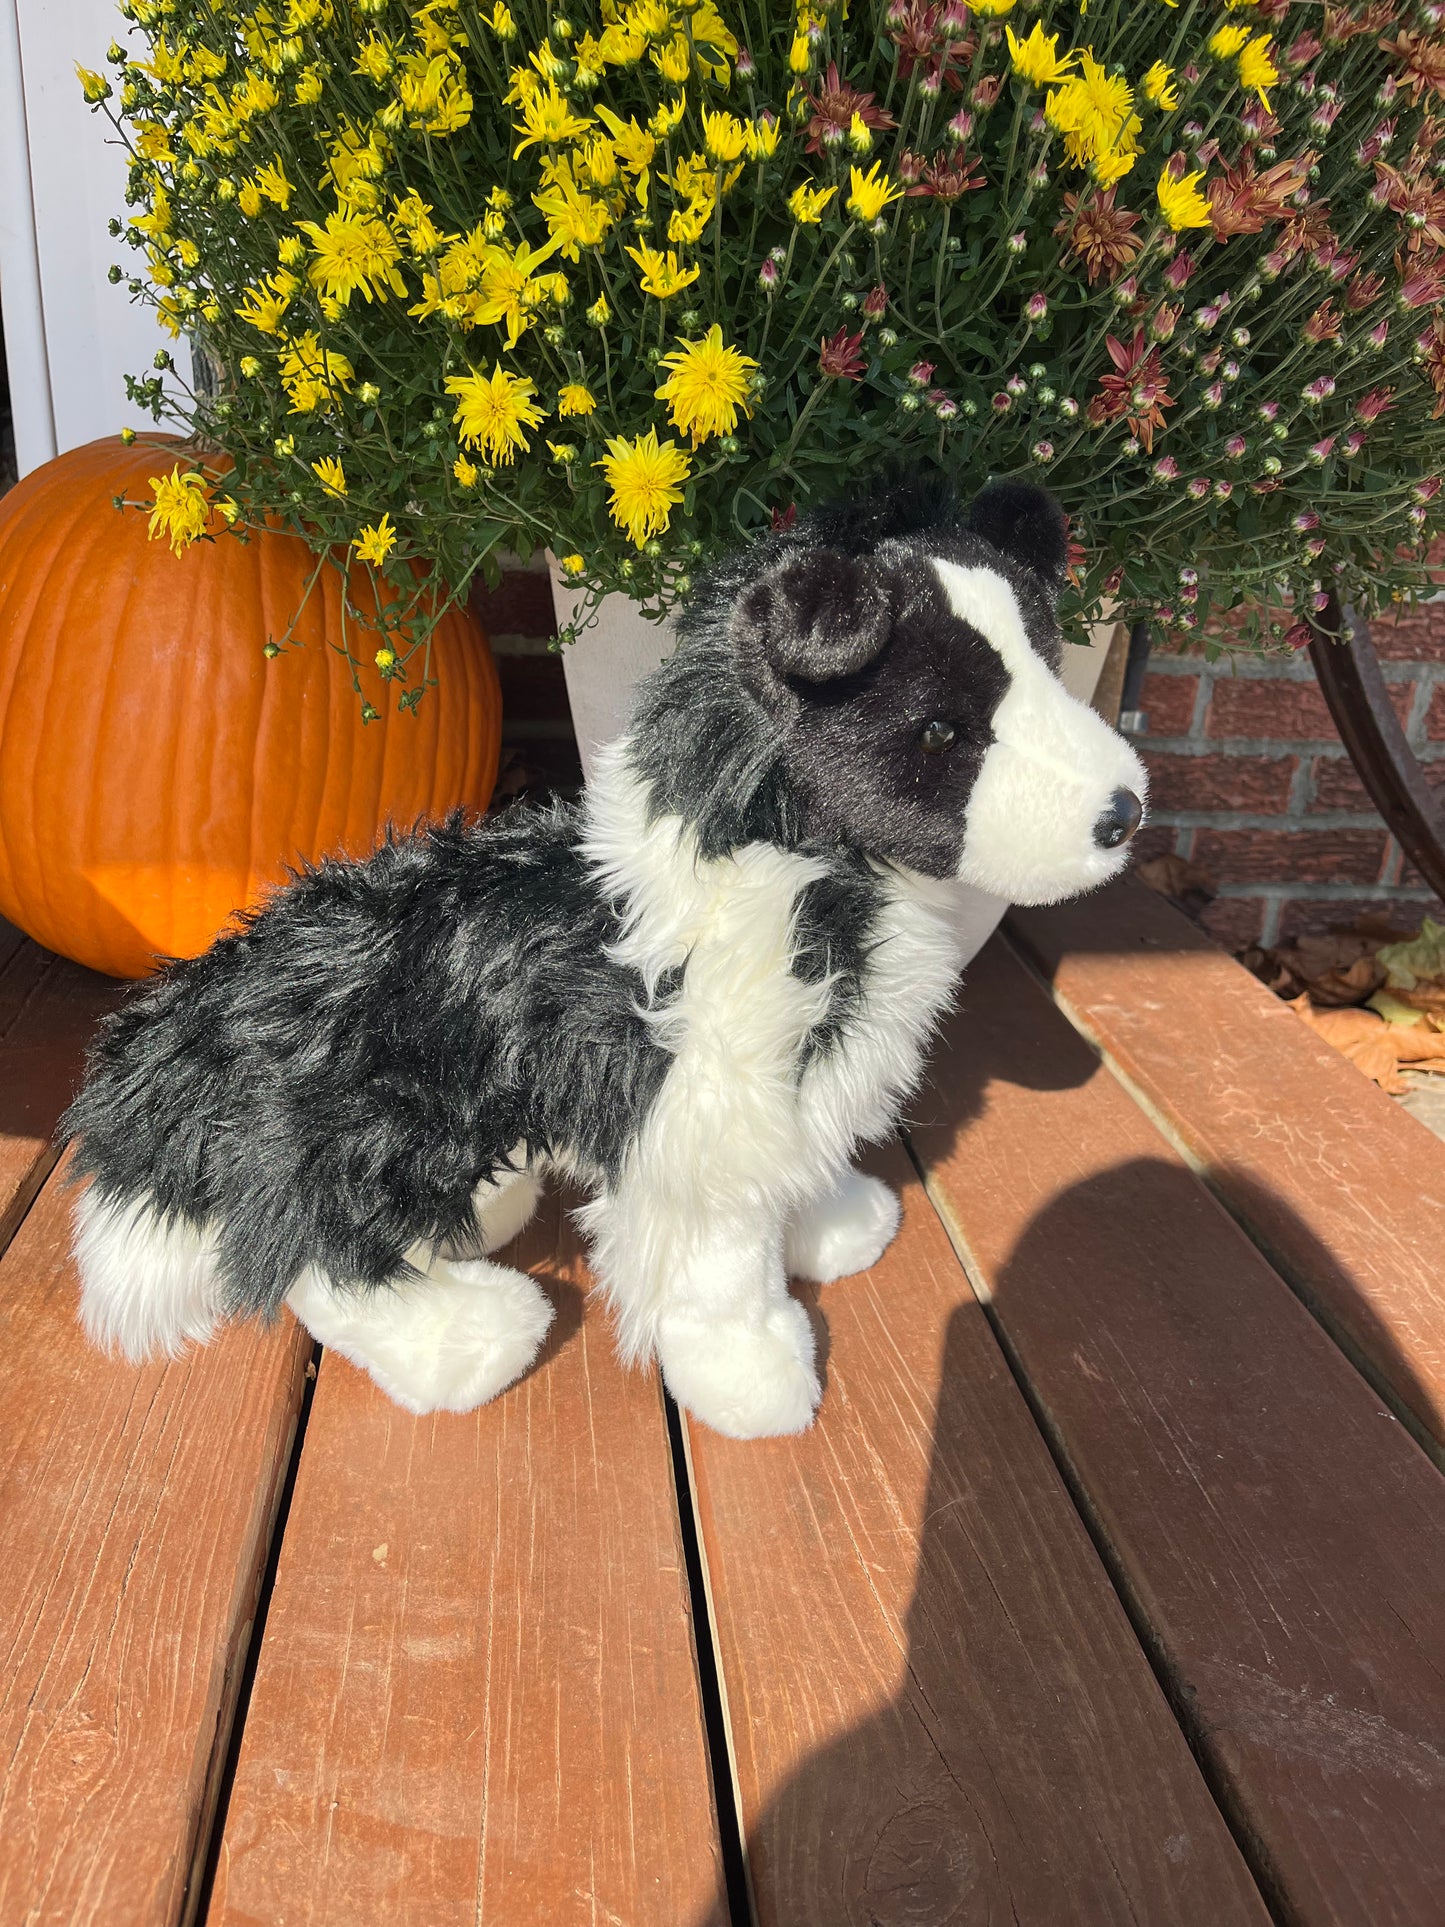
column 156, row 772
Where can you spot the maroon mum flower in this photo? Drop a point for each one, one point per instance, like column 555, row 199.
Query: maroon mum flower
column 838, row 356
column 1137, row 390
column 834, row 106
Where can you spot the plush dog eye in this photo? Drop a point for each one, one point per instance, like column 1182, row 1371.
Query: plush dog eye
column 938, row 736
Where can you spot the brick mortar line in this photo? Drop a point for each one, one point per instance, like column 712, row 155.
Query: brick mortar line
column 1325, row 892
column 1270, row 747
column 1327, row 820
column 1394, row 669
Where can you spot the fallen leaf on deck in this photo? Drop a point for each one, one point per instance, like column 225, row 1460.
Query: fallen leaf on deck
column 1375, row 1047
column 1418, row 964
column 1180, row 880
column 1337, row 967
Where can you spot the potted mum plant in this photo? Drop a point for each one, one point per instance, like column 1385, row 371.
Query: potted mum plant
column 629, row 282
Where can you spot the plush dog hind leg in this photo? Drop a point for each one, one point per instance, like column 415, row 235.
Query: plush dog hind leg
column 845, row 1229
column 445, row 1341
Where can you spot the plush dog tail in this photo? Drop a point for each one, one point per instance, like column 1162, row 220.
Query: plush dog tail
column 143, row 1132
column 147, row 1278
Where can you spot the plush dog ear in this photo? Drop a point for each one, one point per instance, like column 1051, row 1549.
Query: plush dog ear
column 1027, row 525
column 817, row 616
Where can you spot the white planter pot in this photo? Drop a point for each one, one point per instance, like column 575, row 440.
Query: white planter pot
column 604, row 667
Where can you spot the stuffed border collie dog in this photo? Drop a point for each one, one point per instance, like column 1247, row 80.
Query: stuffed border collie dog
column 695, row 993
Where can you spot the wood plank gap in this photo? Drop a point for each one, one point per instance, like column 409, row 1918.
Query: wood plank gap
column 727, row 1793
column 231, row 1724
column 1178, row 1702
column 1223, row 1194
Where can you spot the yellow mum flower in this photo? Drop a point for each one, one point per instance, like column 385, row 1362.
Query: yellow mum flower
column 574, row 399
column 800, row 54
column 501, row 22
column 573, row 565
column 547, row 119
column 871, row 192
column 376, row 541
column 1109, row 168
column 1159, row 87
column 646, row 479
column 994, row 9
column 707, row 385
column 1036, row 59
column 1181, row 203
column 290, row 250
column 493, row 410
column 633, row 145
column 249, row 200
column 1093, row 111
column 310, row 374
column 806, row 203
column 355, row 254
column 724, row 135
column 667, row 118
column 574, row 220
column 762, row 138
column 181, row 509
column 272, row 181
column 674, row 61
column 685, row 225
column 250, row 367
column 330, row 474
column 375, row 58
column 466, row 472
column 265, row 305
column 1257, row 71
column 308, row 88
column 94, row 86
column 661, row 275
column 1226, row 42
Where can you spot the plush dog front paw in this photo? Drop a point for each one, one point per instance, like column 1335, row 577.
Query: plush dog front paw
column 846, row 1230
column 748, row 1381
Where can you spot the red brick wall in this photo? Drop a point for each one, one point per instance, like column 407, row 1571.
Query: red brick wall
column 1250, row 781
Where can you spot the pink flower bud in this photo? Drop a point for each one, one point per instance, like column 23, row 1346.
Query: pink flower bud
column 1179, row 271
column 1036, row 308
column 1198, row 489
column 1166, row 469
column 1234, row 448
column 921, row 373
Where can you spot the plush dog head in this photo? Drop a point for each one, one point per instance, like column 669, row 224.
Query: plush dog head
column 908, row 656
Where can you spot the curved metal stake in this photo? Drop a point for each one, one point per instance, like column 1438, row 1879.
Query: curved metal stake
column 1359, row 700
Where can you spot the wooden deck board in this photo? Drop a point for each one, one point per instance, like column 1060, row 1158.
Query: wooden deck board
column 939, row 1712
column 1279, row 1534
column 1343, row 1189
column 48, row 1012
column 135, row 1511
column 477, row 1696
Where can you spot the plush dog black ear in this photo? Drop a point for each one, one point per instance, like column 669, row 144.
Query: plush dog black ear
column 816, row 616
column 1027, row 525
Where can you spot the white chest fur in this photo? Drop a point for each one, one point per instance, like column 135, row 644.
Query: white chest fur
column 734, row 1116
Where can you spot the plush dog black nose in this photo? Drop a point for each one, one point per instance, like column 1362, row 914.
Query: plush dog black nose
column 1119, row 822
